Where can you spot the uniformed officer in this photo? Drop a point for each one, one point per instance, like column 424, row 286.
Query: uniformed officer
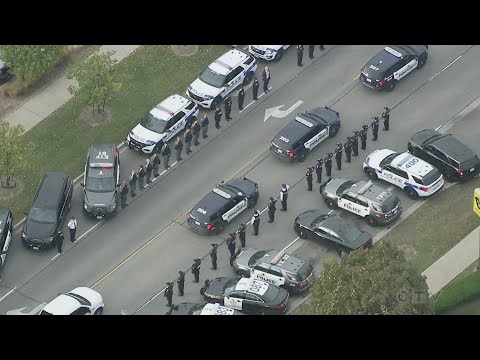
column 386, row 119
column 123, row 194
column 322, row 47
column 231, row 244
column 178, row 148
column 348, row 149
column 148, row 171
column 266, row 75
column 196, row 133
column 188, row 141
column 310, row 51
column 60, row 238
column 284, row 197
column 355, row 143
column 299, row 55
column 255, row 222
column 375, row 125
column 255, row 86
column 180, row 282
column 338, row 156
column 228, row 107
column 141, row 177
column 241, row 234
column 204, row 124
column 156, row 165
column 133, row 183
column 271, row 209
column 309, row 177
column 196, row 269
column 217, row 117
column 166, row 152
column 169, row 293
column 232, row 258
column 241, row 98
column 328, row 165
column 319, row 170
column 213, row 256
column 363, row 136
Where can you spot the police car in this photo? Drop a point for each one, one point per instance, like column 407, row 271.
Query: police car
column 100, row 181
column 374, row 204
column 162, row 123
column 221, row 77
column 201, row 309
column 306, row 131
column 415, row 176
column 268, row 52
column 392, row 64
column 6, row 230
column 248, row 295
column 222, row 205
column 79, row 301
column 276, row 268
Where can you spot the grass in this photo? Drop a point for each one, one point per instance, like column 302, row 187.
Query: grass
column 458, row 292
column 61, row 140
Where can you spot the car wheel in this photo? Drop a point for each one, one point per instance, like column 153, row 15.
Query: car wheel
column 302, row 233
column 85, row 212
column 412, row 194
column 372, row 175
column 202, row 291
column 99, row 311
column 421, row 62
column 331, row 204
column 392, row 85
column 333, row 131
column 279, row 55
column 371, row 221
column 248, row 78
column 449, row 177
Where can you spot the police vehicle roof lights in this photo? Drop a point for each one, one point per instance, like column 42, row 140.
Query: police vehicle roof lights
column 304, row 122
column 161, row 108
column 221, row 63
column 277, row 258
column 221, row 193
column 367, row 186
column 101, row 165
column 393, row 52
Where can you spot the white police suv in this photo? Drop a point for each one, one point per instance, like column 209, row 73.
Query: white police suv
column 221, row 77
column 415, row 176
column 162, row 123
column 268, row 52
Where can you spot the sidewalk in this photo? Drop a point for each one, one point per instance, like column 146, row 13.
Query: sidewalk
column 453, row 262
column 54, row 96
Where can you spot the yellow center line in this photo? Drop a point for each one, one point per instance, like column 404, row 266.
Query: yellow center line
column 356, row 77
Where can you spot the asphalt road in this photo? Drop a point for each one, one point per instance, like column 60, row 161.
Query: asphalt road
column 129, row 258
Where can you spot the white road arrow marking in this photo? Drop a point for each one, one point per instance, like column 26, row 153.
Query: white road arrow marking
column 20, row 312
column 276, row 112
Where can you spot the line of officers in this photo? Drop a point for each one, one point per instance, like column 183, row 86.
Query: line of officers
column 350, row 147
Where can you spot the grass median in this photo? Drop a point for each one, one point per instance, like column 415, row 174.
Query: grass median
column 61, row 140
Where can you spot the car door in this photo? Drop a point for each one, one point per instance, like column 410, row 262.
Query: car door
column 175, row 125
column 393, row 175
column 321, row 133
column 232, row 80
column 436, row 158
column 239, row 203
column 62, row 206
column 349, row 202
column 268, row 273
column 234, row 301
column 252, row 303
column 6, row 237
column 321, row 235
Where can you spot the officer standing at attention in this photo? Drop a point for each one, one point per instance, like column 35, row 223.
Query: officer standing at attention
column 228, row 107
column 196, row 133
column 241, row 98
column 348, row 149
column 266, row 79
column 213, row 256
column 310, row 51
column 169, row 293
column 72, row 227
column 355, row 142
column 309, row 177
column 148, row 170
column 386, row 119
column 375, row 125
column 231, row 244
column 60, row 238
column 218, row 117
column 284, row 197
column 205, row 123
column 133, row 183
column 241, row 234
column 322, row 47
column 166, row 152
column 255, row 86
column 141, row 176
column 363, row 136
column 338, row 156
column 188, row 140
column 255, row 222
column 196, row 269
column 299, row 55
column 123, row 194
column 156, row 165
column 271, row 209
column 178, row 148
column 319, row 170
column 328, row 165
column 181, row 282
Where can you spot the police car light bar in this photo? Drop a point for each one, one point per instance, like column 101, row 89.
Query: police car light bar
column 101, row 165
column 366, row 187
column 304, row 122
column 393, row 52
column 161, row 108
column 221, row 193
column 221, row 63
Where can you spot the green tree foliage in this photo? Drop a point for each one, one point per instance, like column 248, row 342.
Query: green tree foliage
column 97, row 82
column 378, row 281
column 30, row 62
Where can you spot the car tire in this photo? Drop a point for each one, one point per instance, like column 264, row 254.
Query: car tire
column 422, row 62
column 371, row 221
column 449, row 177
column 248, row 78
column 252, row 202
column 202, row 291
column 99, row 311
column 412, row 194
column 372, row 175
column 331, row 204
column 279, row 55
column 302, row 233
column 302, row 157
column 333, row 131
column 392, row 85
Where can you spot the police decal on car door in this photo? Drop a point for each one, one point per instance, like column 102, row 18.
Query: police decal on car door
column 317, row 139
column 400, row 73
column 259, row 274
column 237, row 209
column 349, row 205
column 233, row 302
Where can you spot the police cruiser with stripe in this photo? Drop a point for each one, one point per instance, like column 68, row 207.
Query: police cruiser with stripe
column 201, row 309
column 376, row 205
column 415, row 176
column 221, row 205
column 304, row 133
column 268, row 52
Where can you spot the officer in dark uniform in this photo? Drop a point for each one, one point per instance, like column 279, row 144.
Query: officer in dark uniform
column 319, row 170
column 60, row 238
column 232, row 258
column 271, row 209
column 328, row 165
column 218, row 117
column 322, row 47
column 309, row 177
column 299, row 55
column 213, row 256
column 141, row 177
column 148, row 170
column 255, row 221
column 181, row 282
column 166, row 152
column 375, row 125
column 124, row 194
column 178, row 148
column 355, row 142
column 338, row 156
column 169, row 293
column 386, row 119
column 196, row 133
column 231, row 244
column 133, row 183
column 196, row 269
column 188, row 141
column 348, row 149
column 204, row 124
column 156, row 164
column 241, row 234
column 310, row 51
column 241, row 98
column 363, row 136
column 255, row 86
column 284, row 197
column 228, row 107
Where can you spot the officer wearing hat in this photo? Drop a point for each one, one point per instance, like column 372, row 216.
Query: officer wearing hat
column 338, row 156
column 180, row 282
column 213, row 256
column 375, row 125
column 355, row 142
column 169, row 293
column 328, row 165
column 196, row 269
column 299, row 55
column 386, row 119
column 318, row 170
column 271, row 209
column 284, row 197
column 255, row 222
column 309, row 177
column 241, row 234
column 363, row 136
column 348, row 149
column 231, row 244
column 228, row 107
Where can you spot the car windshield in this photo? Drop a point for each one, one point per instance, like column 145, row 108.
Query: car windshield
column 230, row 285
column 316, row 223
column 151, row 123
column 271, row 294
column 257, row 256
column 212, row 78
column 344, row 187
column 388, row 159
column 431, row 177
column 352, row 234
column 44, row 216
column 304, row 271
column 100, row 180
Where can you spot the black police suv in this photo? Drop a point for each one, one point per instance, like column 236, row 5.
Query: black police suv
column 50, row 206
column 6, row 231
column 454, row 159
column 222, row 204
column 101, row 180
column 392, row 64
column 306, row 131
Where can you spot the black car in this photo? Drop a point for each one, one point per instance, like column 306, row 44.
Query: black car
column 201, row 309
column 221, row 205
column 306, row 131
column 332, row 230
column 454, row 159
column 391, row 64
column 6, row 231
column 50, row 206
column 101, row 180
column 248, row 295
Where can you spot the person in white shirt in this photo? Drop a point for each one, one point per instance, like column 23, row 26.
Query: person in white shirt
column 72, row 226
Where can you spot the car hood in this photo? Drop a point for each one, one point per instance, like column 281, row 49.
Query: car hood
column 91, row 295
column 334, row 184
column 145, row 136
column 99, row 199
column 217, row 286
column 38, row 230
column 420, row 137
column 306, row 218
column 330, row 116
column 373, row 160
column 199, row 88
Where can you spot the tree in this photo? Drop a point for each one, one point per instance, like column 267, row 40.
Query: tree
column 378, row 281
column 30, row 62
column 97, row 83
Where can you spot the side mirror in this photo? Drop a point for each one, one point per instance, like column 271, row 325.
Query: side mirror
column 82, row 184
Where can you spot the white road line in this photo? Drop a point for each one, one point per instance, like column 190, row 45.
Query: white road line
column 248, row 105
column 330, row 212
column 438, row 127
column 261, row 212
column 86, row 232
column 7, row 294
column 390, row 188
column 153, row 298
column 163, row 172
column 293, row 242
column 55, row 256
column 174, row 164
column 245, row 48
column 445, row 68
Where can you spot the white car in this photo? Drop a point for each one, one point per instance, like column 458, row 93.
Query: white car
column 268, row 52
column 415, row 176
column 162, row 123
column 79, row 301
column 221, row 77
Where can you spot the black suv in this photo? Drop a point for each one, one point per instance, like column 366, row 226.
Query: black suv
column 392, row 64
column 50, row 205
column 6, row 231
column 101, row 180
column 221, row 205
column 306, row 131
column 453, row 158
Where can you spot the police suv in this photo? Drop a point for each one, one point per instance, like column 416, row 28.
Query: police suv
column 268, row 52
column 222, row 205
column 101, row 179
column 392, row 64
column 221, row 77
column 162, row 123
column 6, row 231
column 415, row 176
column 376, row 205
column 306, row 131
column 201, row 309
